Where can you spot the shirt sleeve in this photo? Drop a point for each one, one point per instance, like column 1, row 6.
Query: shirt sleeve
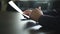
column 48, row 22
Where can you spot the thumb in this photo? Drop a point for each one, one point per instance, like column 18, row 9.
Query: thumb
column 41, row 12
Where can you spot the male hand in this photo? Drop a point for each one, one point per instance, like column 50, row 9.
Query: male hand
column 36, row 13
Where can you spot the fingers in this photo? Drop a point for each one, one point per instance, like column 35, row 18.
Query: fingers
column 27, row 12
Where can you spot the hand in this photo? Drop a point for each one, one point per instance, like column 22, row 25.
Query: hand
column 36, row 13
